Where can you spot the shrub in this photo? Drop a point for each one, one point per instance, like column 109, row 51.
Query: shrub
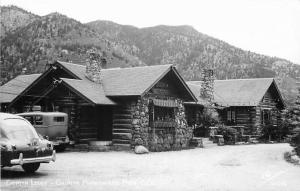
column 269, row 132
column 209, row 117
column 295, row 142
column 228, row 133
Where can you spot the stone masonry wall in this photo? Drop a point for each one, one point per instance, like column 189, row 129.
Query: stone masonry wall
column 163, row 139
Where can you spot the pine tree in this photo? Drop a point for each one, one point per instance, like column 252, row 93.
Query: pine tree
column 294, row 121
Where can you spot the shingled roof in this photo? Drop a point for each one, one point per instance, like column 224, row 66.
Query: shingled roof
column 91, row 91
column 14, row 87
column 237, row 92
column 123, row 81
column 133, row 81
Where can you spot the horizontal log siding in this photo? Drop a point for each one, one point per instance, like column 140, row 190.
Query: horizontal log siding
column 87, row 121
column 122, row 125
column 269, row 102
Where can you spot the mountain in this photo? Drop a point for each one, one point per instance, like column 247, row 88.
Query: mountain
column 191, row 51
column 13, row 18
column 30, row 48
column 34, row 42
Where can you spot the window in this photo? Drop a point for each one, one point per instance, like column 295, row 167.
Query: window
column 38, row 120
column 29, row 118
column 162, row 113
column 265, row 117
column 58, row 119
column 231, row 119
column 18, row 129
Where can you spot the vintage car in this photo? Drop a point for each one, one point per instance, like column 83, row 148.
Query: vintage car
column 51, row 125
column 21, row 144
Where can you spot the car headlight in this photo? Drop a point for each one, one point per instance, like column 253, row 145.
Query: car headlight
column 49, row 145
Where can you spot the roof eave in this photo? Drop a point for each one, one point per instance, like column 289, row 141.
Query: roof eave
column 66, row 69
column 171, row 68
column 30, row 86
column 156, row 81
column 84, row 97
column 280, row 96
column 184, row 84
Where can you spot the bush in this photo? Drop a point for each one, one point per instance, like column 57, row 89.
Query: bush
column 228, row 133
column 209, row 117
column 269, row 132
column 295, row 142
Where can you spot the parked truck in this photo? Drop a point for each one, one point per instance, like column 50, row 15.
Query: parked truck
column 51, row 125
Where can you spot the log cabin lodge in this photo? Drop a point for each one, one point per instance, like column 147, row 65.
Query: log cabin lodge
column 128, row 106
column 151, row 105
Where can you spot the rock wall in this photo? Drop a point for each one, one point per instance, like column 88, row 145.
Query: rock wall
column 159, row 139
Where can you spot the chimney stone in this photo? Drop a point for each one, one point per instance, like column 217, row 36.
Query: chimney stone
column 93, row 67
column 207, row 86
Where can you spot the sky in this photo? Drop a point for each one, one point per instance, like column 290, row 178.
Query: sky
column 270, row 27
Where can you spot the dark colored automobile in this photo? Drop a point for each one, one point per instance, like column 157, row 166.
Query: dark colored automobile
column 21, row 145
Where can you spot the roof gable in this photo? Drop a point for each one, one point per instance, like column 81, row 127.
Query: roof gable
column 76, row 70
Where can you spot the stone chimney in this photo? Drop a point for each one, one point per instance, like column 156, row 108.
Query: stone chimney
column 94, row 65
column 207, row 86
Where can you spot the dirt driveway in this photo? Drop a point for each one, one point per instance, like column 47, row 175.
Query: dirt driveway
column 251, row 167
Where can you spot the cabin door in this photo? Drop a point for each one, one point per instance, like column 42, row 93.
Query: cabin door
column 266, row 116
column 104, row 123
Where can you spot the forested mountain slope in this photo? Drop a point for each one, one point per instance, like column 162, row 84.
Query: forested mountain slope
column 35, row 41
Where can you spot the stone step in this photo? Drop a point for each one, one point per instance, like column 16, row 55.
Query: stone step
column 101, row 148
column 125, row 136
column 81, row 146
column 120, row 141
column 100, row 143
column 205, row 139
column 120, row 147
column 209, row 144
column 91, row 147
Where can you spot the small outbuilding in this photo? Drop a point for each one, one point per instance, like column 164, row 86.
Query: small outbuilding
column 246, row 103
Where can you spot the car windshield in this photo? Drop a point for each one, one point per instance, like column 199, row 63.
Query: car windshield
column 20, row 129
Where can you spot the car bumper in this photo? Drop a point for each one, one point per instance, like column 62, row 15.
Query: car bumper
column 22, row 160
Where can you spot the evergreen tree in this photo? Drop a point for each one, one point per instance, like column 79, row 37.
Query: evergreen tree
column 294, row 121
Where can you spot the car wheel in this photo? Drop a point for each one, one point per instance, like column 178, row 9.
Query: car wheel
column 30, row 167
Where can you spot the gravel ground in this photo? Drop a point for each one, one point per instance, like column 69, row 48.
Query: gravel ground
column 246, row 167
